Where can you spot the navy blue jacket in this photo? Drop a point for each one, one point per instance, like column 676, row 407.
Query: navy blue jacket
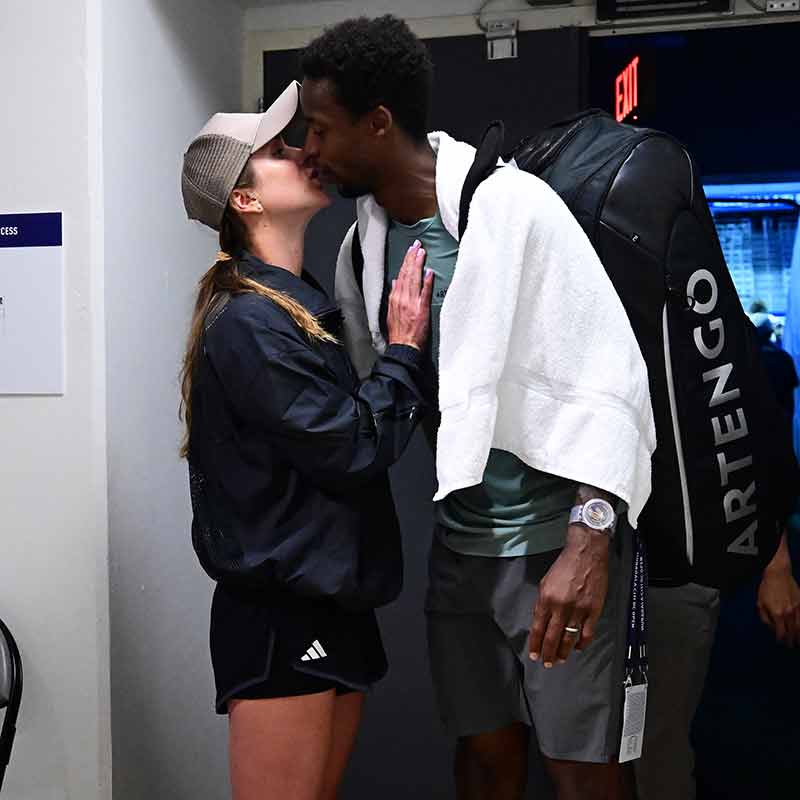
column 288, row 452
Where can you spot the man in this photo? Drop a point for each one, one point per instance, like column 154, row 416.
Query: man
column 778, row 364
column 546, row 427
column 682, row 622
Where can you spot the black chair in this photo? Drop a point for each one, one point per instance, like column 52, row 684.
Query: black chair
column 10, row 694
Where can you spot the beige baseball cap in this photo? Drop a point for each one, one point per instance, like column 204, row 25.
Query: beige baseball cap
column 218, row 154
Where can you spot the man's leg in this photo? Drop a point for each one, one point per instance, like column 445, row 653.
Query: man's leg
column 576, row 706
column 493, row 765
column 681, row 625
column 478, row 688
column 476, row 675
column 485, row 681
column 575, row 780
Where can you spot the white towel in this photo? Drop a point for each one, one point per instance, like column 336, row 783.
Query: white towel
column 536, row 353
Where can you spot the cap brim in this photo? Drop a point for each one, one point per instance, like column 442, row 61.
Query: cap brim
column 278, row 116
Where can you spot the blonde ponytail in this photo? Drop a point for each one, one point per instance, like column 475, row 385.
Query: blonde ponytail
column 224, row 277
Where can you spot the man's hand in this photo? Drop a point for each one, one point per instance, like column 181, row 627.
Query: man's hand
column 571, row 594
column 779, row 597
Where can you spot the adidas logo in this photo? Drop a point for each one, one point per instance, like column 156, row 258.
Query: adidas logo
column 314, row 652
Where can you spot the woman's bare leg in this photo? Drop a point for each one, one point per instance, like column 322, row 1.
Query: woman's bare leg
column 346, row 719
column 280, row 748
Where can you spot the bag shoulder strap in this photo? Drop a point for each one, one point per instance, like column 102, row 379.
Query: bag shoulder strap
column 357, row 257
column 485, row 163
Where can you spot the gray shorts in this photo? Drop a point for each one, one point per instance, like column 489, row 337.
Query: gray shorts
column 479, row 613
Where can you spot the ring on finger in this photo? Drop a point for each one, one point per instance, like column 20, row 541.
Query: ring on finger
column 572, row 631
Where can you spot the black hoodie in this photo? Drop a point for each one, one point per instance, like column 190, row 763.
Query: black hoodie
column 288, row 452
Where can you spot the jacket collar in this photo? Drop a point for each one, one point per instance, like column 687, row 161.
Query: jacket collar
column 305, row 289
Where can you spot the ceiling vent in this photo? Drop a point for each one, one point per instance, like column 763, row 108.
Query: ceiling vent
column 633, row 9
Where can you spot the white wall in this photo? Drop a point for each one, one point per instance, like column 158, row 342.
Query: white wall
column 53, row 530
column 168, row 65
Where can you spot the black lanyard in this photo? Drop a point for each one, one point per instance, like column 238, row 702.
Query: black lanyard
column 636, row 653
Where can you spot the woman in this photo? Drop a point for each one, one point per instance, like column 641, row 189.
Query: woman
column 287, row 454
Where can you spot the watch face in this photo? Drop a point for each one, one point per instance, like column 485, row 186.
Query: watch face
column 598, row 514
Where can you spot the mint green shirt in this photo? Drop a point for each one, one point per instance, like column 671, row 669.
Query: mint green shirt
column 515, row 510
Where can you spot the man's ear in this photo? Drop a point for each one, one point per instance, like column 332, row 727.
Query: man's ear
column 381, row 121
column 245, row 201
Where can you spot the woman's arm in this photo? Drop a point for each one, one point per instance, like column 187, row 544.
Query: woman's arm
column 336, row 438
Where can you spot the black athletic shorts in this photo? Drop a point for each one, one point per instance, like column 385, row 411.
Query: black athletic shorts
column 278, row 645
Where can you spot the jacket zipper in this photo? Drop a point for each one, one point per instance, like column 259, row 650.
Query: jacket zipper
column 687, row 512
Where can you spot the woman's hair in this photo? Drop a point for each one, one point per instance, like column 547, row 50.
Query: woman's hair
column 224, row 278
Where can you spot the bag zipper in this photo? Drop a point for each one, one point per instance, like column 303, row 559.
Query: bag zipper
column 558, row 146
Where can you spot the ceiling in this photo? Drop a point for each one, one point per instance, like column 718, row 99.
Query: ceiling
column 262, row 3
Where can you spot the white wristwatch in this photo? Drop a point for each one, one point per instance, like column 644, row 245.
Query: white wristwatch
column 597, row 514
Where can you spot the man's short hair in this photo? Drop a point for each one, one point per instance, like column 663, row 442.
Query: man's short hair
column 374, row 62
